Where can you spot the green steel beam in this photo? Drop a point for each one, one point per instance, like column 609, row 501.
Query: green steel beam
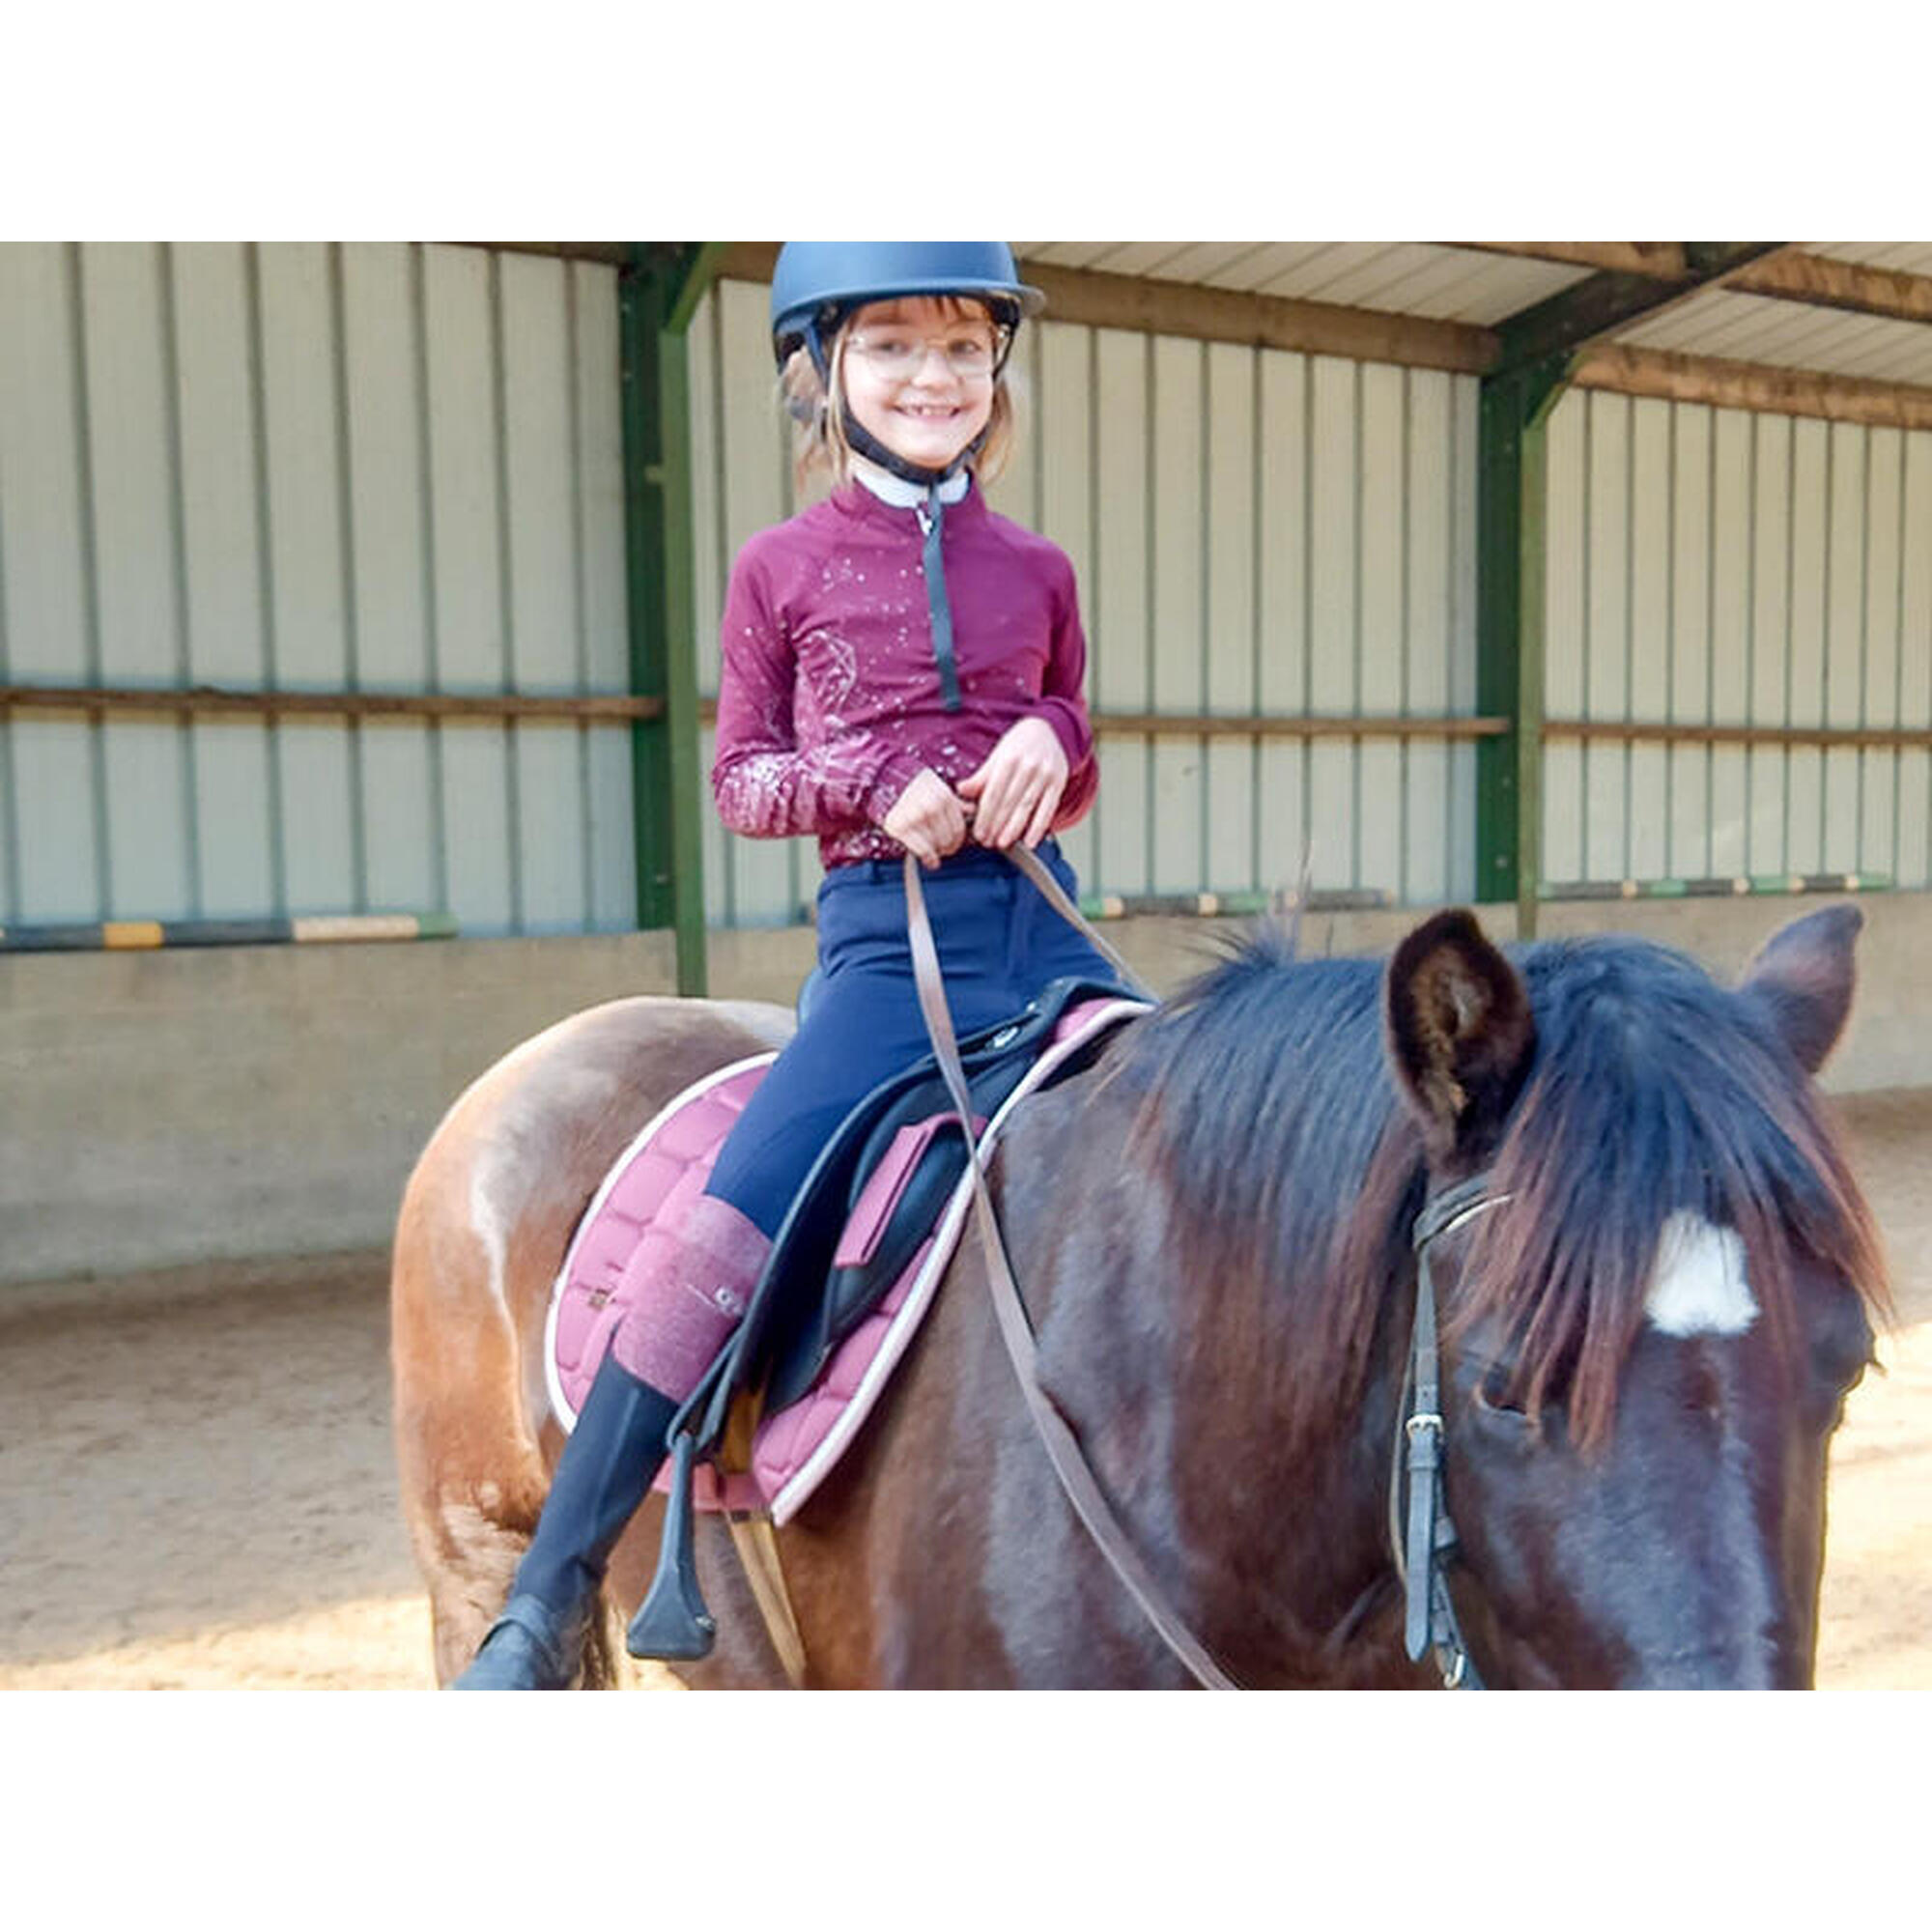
column 639, row 314
column 704, row 262
column 657, row 291
column 1513, row 414
column 1613, row 300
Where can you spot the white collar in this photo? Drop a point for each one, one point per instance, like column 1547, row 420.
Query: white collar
column 902, row 493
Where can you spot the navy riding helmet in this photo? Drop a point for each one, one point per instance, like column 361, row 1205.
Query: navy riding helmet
column 817, row 284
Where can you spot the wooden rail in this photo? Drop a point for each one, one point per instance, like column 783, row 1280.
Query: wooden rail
column 1166, row 725
column 1854, row 738
column 615, row 709
column 207, row 699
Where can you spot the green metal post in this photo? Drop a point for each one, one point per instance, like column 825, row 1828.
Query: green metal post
column 1512, row 418
column 1532, row 621
column 1538, row 351
column 658, row 292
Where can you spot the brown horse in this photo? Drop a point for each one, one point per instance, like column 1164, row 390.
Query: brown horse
column 1655, row 1289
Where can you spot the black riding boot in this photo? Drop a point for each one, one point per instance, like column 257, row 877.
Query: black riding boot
column 609, row 1464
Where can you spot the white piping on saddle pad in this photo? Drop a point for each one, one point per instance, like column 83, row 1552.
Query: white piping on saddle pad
column 795, row 1493
column 560, row 1406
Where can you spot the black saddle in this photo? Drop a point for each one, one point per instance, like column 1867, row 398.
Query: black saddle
column 803, row 1305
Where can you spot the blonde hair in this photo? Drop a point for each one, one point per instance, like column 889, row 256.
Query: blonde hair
column 818, row 443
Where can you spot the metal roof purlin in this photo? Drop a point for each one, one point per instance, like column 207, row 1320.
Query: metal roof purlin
column 1612, row 300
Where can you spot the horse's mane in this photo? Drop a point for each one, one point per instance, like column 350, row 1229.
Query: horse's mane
column 1293, row 1161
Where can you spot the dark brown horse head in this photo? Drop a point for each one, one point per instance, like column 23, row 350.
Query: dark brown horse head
column 1652, row 1322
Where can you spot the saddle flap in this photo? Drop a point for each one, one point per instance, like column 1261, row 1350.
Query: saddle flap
column 797, row 1314
column 885, row 1187
column 799, row 1442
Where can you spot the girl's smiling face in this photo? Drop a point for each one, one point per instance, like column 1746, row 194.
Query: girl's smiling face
column 918, row 374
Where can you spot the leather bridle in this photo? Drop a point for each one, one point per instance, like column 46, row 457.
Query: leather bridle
column 1425, row 1545
column 1431, row 1620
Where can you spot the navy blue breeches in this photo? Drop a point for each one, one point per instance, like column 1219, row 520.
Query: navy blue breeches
column 999, row 943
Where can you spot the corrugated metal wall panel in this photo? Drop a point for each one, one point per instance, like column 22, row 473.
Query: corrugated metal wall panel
column 1281, row 803
column 766, row 881
column 1228, row 614
column 473, row 800
column 222, row 534
column 387, row 605
column 1717, row 567
column 50, row 624
column 126, row 347
column 307, row 466
column 1060, row 418
column 1176, row 638
column 1114, row 600
column 1912, row 804
column 318, row 822
column 1254, row 533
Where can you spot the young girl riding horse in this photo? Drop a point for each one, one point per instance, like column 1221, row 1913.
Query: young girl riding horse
column 901, row 672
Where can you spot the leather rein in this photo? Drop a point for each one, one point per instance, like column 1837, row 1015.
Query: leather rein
column 1063, row 1446
column 1430, row 1539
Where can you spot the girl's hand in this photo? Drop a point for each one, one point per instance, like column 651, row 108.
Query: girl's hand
column 927, row 820
column 1016, row 791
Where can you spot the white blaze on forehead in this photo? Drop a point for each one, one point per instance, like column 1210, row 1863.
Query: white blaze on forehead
column 1698, row 1286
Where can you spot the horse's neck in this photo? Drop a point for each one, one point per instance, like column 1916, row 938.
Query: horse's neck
column 1172, row 1377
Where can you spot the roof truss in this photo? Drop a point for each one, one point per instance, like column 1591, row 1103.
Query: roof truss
column 1614, row 298
column 1634, row 282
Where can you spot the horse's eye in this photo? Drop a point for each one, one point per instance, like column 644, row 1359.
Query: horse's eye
column 1841, row 1345
column 1494, row 1396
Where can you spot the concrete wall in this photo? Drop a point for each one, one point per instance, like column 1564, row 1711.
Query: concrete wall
column 163, row 1108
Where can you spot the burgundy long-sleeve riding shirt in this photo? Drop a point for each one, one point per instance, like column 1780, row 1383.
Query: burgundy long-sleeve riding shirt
column 829, row 699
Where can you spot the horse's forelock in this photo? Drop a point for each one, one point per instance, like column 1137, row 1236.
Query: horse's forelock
column 1654, row 1092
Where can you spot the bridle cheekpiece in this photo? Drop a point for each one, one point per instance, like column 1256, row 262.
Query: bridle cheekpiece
column 1422, row 1551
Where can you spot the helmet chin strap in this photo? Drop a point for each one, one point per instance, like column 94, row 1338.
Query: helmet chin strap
column 865, row 444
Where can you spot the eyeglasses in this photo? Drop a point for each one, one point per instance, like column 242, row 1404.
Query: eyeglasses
column 900, row 357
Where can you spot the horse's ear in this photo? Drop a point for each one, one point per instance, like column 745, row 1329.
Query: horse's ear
column 1803, row 978
column 1460, row 1030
